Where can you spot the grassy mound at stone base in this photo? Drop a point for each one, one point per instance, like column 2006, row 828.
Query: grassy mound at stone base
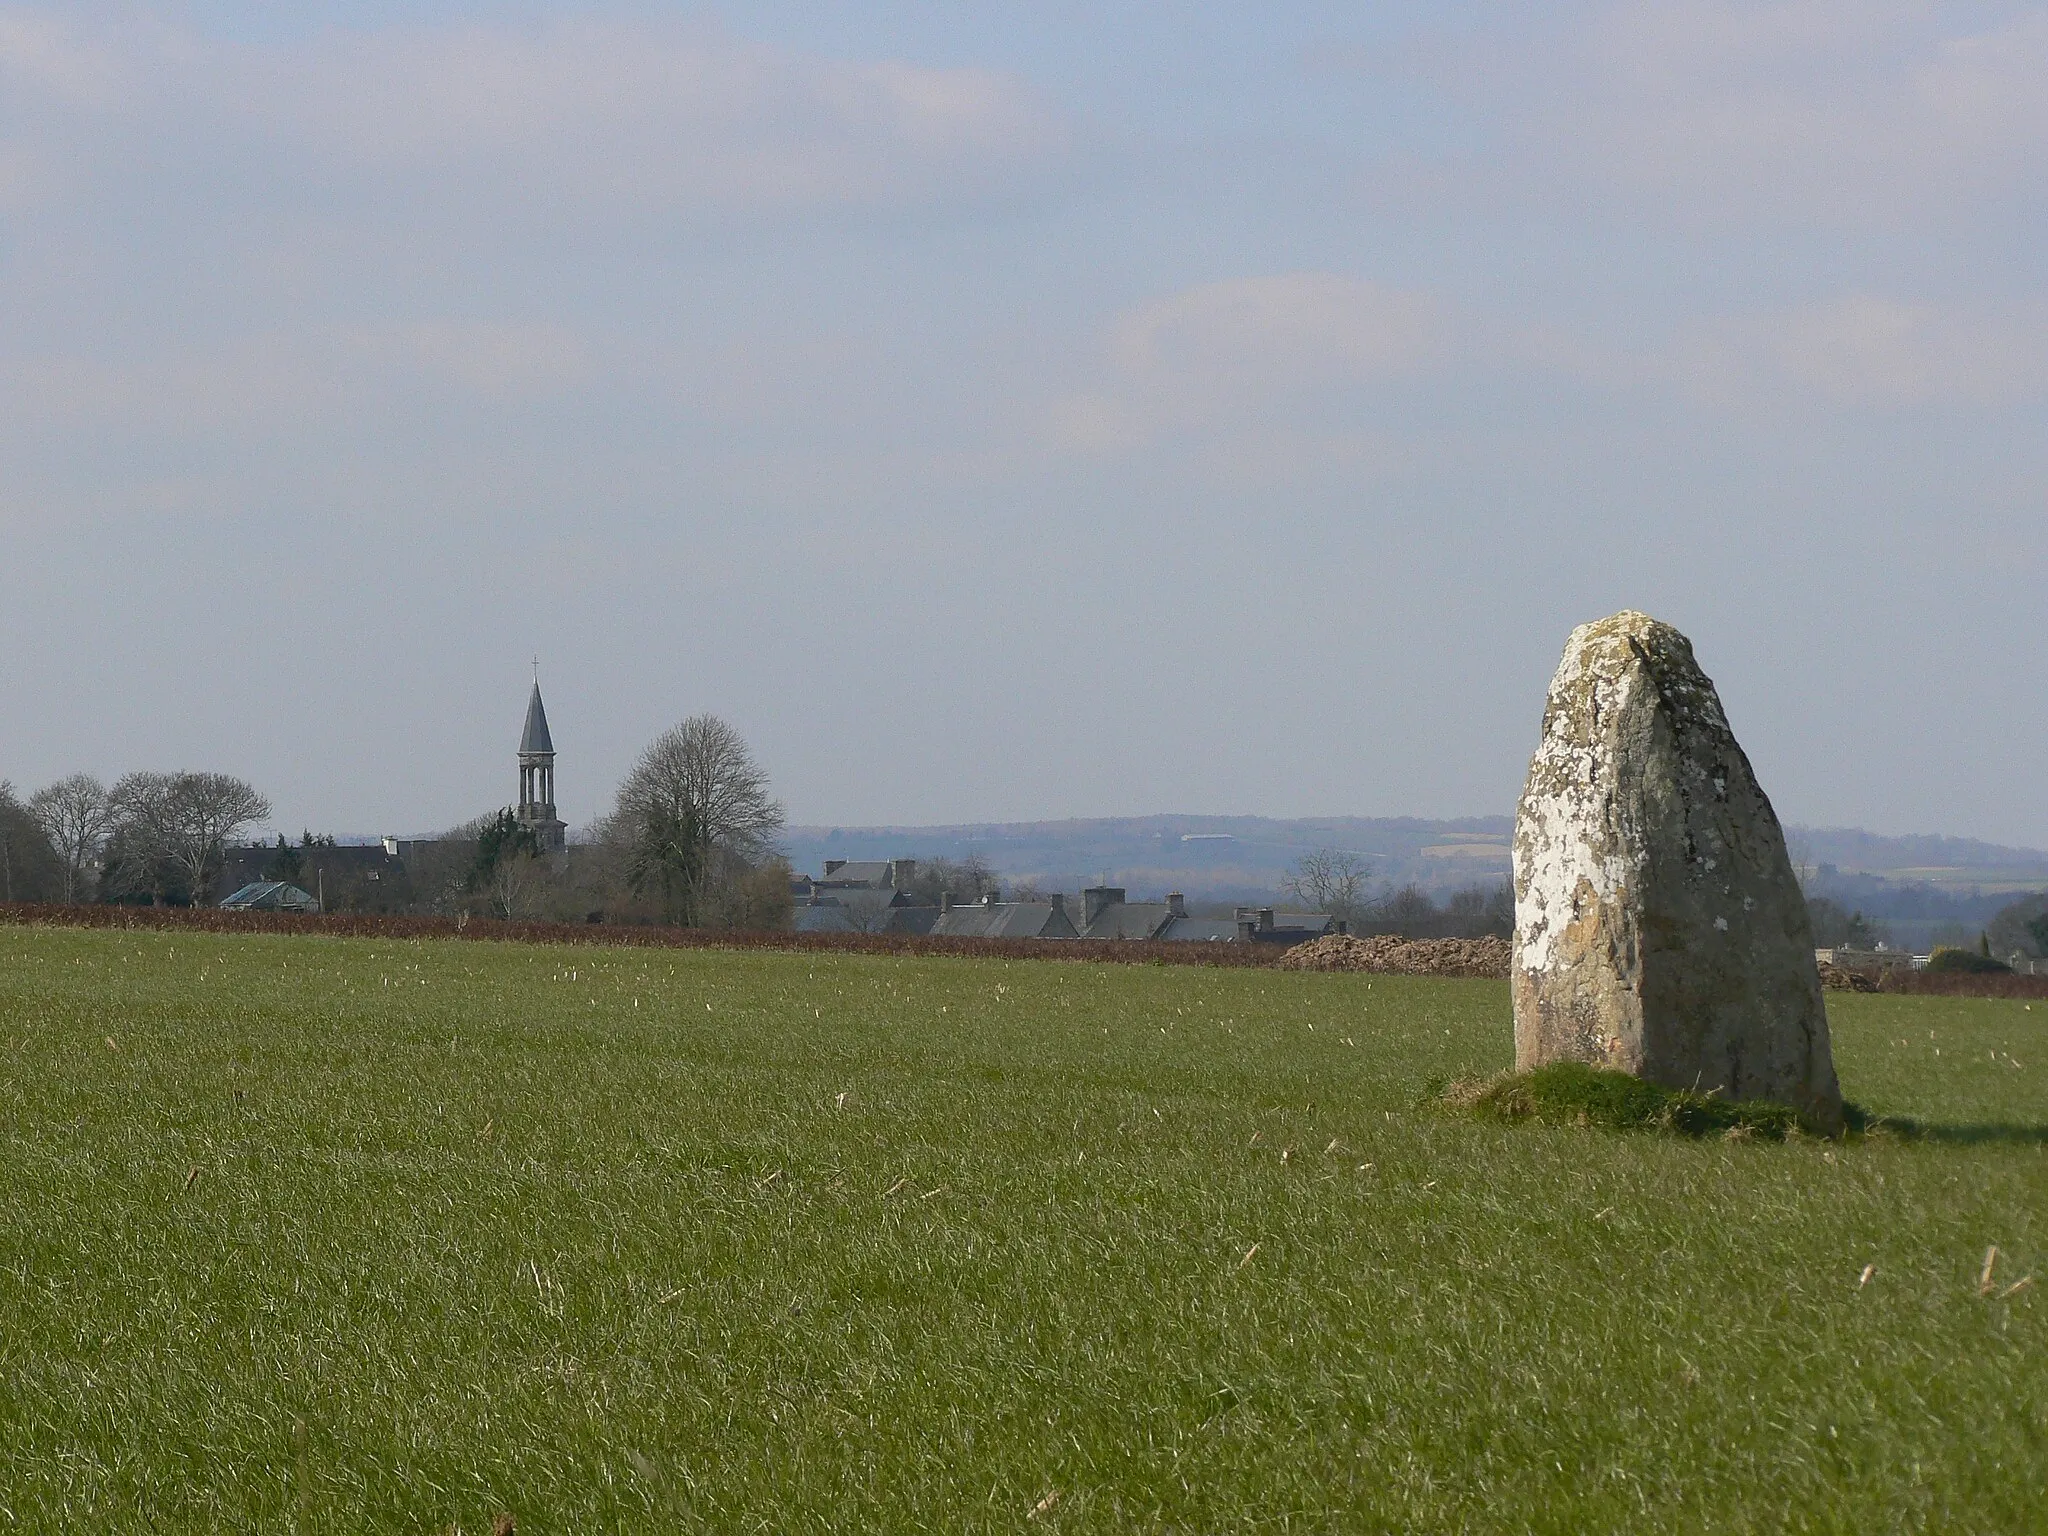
column 1571, row 1093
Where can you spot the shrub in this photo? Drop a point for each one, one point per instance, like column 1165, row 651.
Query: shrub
column 1968, row 962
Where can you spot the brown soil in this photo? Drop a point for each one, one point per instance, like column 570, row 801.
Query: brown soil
column 1392, row 955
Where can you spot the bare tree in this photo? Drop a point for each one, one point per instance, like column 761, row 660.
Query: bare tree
column 76, row 814
column 965, row 880
column 749, row 895
column 1409, row 911
column 173, row 827
column 515, row 885
column 137, row 856
column 1330, row 880
column 29, row 867
column 865, row 911
column 1800, row 851
column 508, row 869
column 207, row 811
column 693, row 815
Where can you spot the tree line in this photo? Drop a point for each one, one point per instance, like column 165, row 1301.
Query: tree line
column 691, row 839
column 1338, row 882
column 158, row 836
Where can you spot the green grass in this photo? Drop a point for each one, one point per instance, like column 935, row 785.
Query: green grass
column 605, row 1239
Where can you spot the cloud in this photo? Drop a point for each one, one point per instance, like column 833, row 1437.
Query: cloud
column 1855, row 112
column 587, row 110
column 274, row 378
column 500, row 361
column 1220, row 354
column 1292, row 326
column 1861, row 113
column 1867, row 351
column 574, row 114
column 39, row 52
column 1858, row 351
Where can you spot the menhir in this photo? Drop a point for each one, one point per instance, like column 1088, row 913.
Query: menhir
column 1658, row 928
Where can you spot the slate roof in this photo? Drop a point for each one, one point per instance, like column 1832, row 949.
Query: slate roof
column 535, row 737
column 821, row 919
column 859, row 872
column 1288, row 928
column 1005, row 920
column 856, row 896
column 1182, row 930
column 1128, row 920
column 271, row 896
column 1299, row 927
column 918, row 920
column 828, row 916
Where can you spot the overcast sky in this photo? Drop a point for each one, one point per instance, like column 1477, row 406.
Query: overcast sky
column 1017, row 411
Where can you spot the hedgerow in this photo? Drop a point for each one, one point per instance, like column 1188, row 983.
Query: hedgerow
column 358, row 925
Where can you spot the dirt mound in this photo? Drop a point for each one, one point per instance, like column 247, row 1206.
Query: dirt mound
column 1393, row 955
column 1836, row 979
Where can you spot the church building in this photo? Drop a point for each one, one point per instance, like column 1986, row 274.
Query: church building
column 537, row 779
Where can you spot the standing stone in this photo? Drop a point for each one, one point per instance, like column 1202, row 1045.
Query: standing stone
column 1658, row 928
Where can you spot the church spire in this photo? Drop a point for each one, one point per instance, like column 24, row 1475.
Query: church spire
column 535, row 738
column 537, row 775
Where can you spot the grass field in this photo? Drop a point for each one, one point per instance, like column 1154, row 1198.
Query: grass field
column 348, row 1235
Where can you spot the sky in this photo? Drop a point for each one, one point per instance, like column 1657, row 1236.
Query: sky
column 1021, row 410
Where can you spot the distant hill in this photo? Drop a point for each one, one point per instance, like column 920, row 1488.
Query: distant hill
column 1206, row 857
column 1246, row 857
column 1924, row 858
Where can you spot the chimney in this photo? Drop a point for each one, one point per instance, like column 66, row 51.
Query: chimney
column 1247, row 927
column 1059, row 902
column 833, row 866
column 1097, row 899
column 390, row 847
column 945, row 902
column 902, row 874
column 1265, row 919
column 1176, row 904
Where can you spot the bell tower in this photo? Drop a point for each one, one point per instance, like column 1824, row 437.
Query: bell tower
column 537, row 777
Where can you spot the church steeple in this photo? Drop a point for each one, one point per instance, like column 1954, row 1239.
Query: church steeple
column 537, row 777
column 535, row 740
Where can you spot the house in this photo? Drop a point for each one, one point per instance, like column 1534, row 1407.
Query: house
column 856, row 875
column 1105, row 914
column 868, row 874
column 270, row 896
column 992, row 919
column 860, row 909
column 868, row 896
column 1251, row 925
column 368, row 877
column 812, row 916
